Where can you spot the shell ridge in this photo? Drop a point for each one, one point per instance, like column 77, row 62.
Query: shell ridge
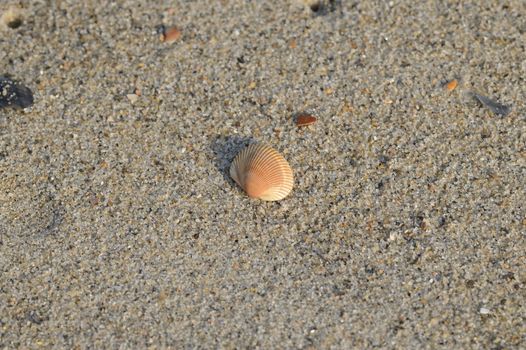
column 262, row 172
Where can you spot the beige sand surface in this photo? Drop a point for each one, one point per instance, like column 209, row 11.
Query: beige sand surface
column 120, row 227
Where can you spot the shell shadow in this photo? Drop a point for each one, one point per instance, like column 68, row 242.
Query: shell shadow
column 225, row 149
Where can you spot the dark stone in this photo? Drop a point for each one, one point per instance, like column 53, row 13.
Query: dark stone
column 14, row 94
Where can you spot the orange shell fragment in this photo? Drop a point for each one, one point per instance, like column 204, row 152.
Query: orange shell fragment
column 305, row 119
column 452, row 85
column 171, row 34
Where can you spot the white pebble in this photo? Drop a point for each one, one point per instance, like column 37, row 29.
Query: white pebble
column 484, row 311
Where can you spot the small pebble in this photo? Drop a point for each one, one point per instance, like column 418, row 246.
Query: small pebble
column 14, row 94
column 484, row 311
column 132, row 97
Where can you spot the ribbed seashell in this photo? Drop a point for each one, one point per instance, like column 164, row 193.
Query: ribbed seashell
column 262, row 172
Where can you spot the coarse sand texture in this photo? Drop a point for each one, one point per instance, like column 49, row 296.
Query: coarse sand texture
column 402, row 221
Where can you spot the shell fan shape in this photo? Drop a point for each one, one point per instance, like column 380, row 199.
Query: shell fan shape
column 262, row 172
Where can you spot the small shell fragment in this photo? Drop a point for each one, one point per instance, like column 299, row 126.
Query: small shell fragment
column 170, row 34
column 305, row 119
column 262, row 172
column 452, row 85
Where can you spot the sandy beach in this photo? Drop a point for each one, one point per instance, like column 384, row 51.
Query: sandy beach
column 121, row 228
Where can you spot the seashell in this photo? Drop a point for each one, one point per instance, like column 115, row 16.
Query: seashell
column 262, row 172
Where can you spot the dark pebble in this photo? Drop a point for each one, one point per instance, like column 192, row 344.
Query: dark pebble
column 14, row 94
